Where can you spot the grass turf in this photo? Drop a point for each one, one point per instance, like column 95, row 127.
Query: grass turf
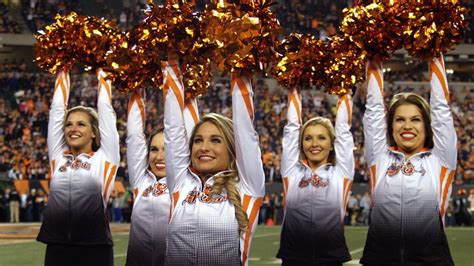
column 264, row 247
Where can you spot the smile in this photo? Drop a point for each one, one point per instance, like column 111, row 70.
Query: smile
column 205, row 158
column 74, row 136
column 160, row 166
column 315, row 151
column 408, row 135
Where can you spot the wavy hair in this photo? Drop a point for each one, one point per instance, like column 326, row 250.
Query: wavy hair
column 227, row 179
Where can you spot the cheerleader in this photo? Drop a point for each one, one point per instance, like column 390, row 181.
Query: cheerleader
column 216, row 181
column 83, row 149
column 146, row 168
column 412, row 160
column 317, row 169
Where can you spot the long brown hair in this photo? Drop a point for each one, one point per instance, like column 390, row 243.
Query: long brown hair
column 227, row 179
column 415, row 99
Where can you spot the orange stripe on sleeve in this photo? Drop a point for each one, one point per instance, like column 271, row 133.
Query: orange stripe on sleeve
column 141, row 107
column 253, row 215
column 106, row 86
column 62, row 85
column 345, row 99
column 347, row 191
column 373, row 71
column 441, row 78
column 106, row 168
column 53, row 163
column 192, row 110
column 344, row 192
column 297, row 106
column 373, row 178
column 175, row 201
column 175, row 69
column 59, row 79
column 131, row 102
column 175, row 198
column 245, row 94
column 442, row 177
column 135, row 193
column 440, row 59
column 246, row 202
column 347, row 188
column 445, row 192
column 176, row 91
column 285, row 190
column 109, row 180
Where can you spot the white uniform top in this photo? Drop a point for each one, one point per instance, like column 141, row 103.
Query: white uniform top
column 409, row 196
column 203, row 228
column 315, row 202
column 80, row 187
column 151, row 208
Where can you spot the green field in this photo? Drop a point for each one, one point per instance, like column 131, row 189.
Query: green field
column 264, row 247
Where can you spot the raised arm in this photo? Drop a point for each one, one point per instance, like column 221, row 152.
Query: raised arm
column 249, row 157
column 191, row 115
column 137, row 148
column 291, row 134
column 374, row 117
column 445, row 139
column 109, row 137
column 344, row 143
column 344, row 147
column 57, row 112
column 176, row 141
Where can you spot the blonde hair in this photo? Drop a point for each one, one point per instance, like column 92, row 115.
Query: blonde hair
column 332, row 135
column 93, row 119
column 227, row 179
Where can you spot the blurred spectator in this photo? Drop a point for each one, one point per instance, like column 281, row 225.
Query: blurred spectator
column 450, row 219
column 40, row 202
column 8, row 24
column 352, row 207
column 264, row 210
column 365, row 203
column 461, row 212
column 29, row 205
column 38, row 13
column 118, row 204
column 14, row 206
column 278, row 209
column 5, row 205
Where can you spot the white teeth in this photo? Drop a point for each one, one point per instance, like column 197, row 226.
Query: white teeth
column 160, row 165
column 74, row 136
column 315, row 151
column 205, row 158
column 408, row 135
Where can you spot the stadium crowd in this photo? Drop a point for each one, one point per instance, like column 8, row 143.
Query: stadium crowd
column 8, row 24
